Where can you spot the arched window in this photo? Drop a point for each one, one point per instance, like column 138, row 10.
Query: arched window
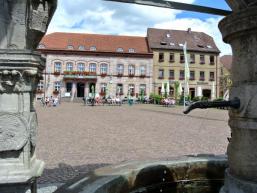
column 120, row 69
column 131, row 89
column 142, row 89
column 131, row 70
column 69, row 67
column 57, row 67
column 103, row 68
column 142, row 70
column 81, row 67
column 92, row 67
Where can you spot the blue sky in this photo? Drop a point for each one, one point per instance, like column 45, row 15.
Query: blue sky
column 98, row 16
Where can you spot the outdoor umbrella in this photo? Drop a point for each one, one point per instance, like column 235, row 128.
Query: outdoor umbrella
column 163, row 89
column 199, row 91
column 168, row 88
column 213, row 91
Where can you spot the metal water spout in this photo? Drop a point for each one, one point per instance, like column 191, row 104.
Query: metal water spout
column 235, row 103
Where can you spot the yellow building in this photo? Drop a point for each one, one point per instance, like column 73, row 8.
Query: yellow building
column 169, row 61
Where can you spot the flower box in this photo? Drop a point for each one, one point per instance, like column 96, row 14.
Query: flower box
column 55, row 92
column 57, row 73
column 131, row 75
column 142, row 76
column 119, row 75
column 39, row 91
column 103, row 75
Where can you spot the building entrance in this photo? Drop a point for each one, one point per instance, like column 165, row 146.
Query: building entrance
column 207, row 93
column 92, row 88
column 80, row 90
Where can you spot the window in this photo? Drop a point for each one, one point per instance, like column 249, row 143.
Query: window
column 131, row 89
column 70, row 47
column 182, row 58
column 202, row 76
column 120, row 69
column 212, row 76
column 92, row 48
column 142, row 70
column 41, row 46
column 131, row 70
column 81, row 47
column 103, row 88
column 69, row 67
column 192, row 58
column 209, row 46
column 68, row 87
column 172, row 58
column 202, row 59
column 81, row 67
column 161, row 57
column 168, row 35
column 171, row 75
column 57, row 86
column 57, row 67
column 40, row 86
column 92, row 67
column 192, row 75
column 161, row 73
column 142, row 90
column 119, row 50
column 132, row 50
column 103, row 68
column 181, row 45
column 212, row 60
column 181, row 75
column 119, row 89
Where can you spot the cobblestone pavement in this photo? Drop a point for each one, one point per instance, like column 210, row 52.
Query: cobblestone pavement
column 75, row 139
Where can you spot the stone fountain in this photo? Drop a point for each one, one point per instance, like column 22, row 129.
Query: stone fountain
column 23, row 24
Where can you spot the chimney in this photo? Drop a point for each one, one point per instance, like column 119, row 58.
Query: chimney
column 189, row 30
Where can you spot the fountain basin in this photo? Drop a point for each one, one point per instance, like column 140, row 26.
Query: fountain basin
column 188, row 174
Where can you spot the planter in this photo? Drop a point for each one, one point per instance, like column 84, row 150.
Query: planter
column 57, row 73
column 39, row 91
column 119, row 75
column 131, row 75
column 142, row 76
column 55, row 92
column 103, row 75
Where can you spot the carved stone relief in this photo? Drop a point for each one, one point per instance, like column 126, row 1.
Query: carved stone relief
column 17, row 80
column 13, row 132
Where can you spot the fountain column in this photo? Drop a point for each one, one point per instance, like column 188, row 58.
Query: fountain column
column 23, row 24
column 240, row 31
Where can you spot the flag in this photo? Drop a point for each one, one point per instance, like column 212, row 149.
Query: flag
column 187, row 71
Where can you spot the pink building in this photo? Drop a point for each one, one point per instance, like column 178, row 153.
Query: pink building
column 78, row 65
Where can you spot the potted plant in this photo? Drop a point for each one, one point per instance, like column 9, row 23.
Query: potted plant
column 55, row 92
column 57, row 73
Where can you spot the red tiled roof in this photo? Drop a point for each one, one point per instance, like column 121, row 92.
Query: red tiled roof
column 226, row 60
column 174, row 40
column 103, row 43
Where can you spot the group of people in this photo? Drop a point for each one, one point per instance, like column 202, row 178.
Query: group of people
column 50, row 101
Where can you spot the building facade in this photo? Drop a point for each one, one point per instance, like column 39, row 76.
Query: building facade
column 169, row 61
column 225, row 74
column 80, row 65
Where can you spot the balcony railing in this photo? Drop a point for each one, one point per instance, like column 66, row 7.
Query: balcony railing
column 79, row 75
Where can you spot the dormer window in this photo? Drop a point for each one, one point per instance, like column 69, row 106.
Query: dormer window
column 168, row 35
column 200, row 45
column 81, row 47
column 209, row 46
column 41, row 46
column 92, row 48
column 119, row 50
column 172, row 44
column 70, row 47
column 132, row 50
column 163, row 43
column 181, row 45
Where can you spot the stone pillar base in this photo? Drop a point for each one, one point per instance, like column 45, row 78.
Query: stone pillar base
column 235, row 185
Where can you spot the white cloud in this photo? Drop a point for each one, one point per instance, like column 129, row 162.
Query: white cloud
column 87, row 16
